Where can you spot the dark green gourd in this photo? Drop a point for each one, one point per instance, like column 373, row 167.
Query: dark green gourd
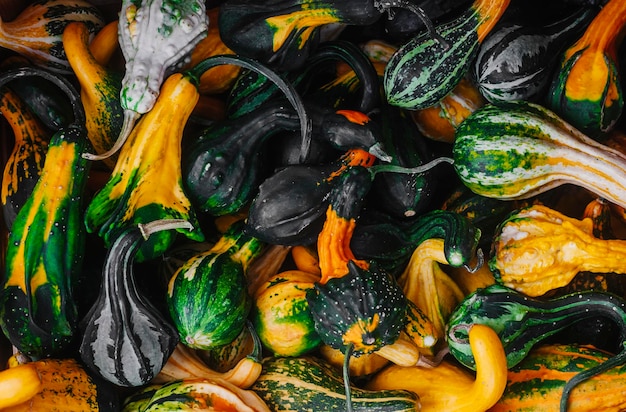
column 125, row 338
column 426, row 68
column 516, row 61
column 521, row 322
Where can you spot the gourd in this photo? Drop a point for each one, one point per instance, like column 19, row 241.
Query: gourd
column 36, row 33
column 64, row 381
column 537, row 381
column 586, row 90
column 45, row 247
column 186, row 363
column 99, row 86
column 23, row 167
column 448, row 387
column 146, row 182
column 517, row 150
column 194, row 394
column 516, row 61
column 156, row 37
column 426, row 68
column 538, row 249
column 19, row 384
column 207, row 297
column 280, row 314
column 311, row 384
column 125, row 339
column 522, row 321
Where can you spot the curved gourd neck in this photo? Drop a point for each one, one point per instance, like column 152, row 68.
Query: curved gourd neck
column 605, row 32
column 488, row 13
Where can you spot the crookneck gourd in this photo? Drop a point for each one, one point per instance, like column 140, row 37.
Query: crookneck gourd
column 586, row 90
column 516, row 150
column 146, row 183
column 23, row 167
column 46, row 241
column 538, row 249
column 208, row 297
column 125, row 339
column 99, row 86
column 426, row 68
column 37, row 32
column 521, row 322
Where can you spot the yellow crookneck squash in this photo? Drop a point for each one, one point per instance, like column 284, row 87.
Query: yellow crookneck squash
column 449, row 387
column 146, row 183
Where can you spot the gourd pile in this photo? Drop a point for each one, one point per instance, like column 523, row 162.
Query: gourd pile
column 292, row 206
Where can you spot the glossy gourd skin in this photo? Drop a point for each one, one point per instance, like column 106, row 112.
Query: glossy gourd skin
column 23, row 167
column 521, row 322
column 37, row 32
column 587, row 89
column 46, row 243
column 516, row 61
column 423, row 70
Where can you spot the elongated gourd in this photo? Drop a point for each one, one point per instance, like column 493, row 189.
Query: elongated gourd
column 146, row 183
column 47, row 239
column 538, row 249
column 521, row 322
column 23, row 167
column 448, row 387
column 516, row 150
column 36, row 33
column 426, row 68
column 19, row 384
column 587, row 90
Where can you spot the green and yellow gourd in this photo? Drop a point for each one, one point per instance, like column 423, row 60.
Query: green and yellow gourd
column 37, row 32
column 586, row 89
column 46, row 242
column 23, row 167
column 516, row 150
column 207, row 297
column 146, row 183
column 426, row 68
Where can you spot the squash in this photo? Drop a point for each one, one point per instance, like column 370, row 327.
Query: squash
column 517, row 150
column 521, row 322
column 448, row 387
column 194, row 394
column 536, row 383
column 67, row 385
column 146, row 183
column 516, row 61
column 99, row 87
column 426, row 68
column 24, row 164
column 281, row 317
column 36, row 32
column 125, row 339
column 46, row 242
column 538, row 249
column 207, row 297
column 186, row 363
column 155, row 37
column 312, row 384
column 19, row 384
column 265, row 266
column 586, row 90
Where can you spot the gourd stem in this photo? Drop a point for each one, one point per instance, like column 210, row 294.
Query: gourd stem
column 130, row 118
column 409, row 170
column 290, row 93
column 346, row 376
column 66, row 87
column 386, row 5
column 149, row 228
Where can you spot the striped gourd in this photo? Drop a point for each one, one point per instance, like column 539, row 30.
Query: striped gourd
column 425, row 69
column 311, row 384
column 518, row 149
column 516, row 61
column 37, row 32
